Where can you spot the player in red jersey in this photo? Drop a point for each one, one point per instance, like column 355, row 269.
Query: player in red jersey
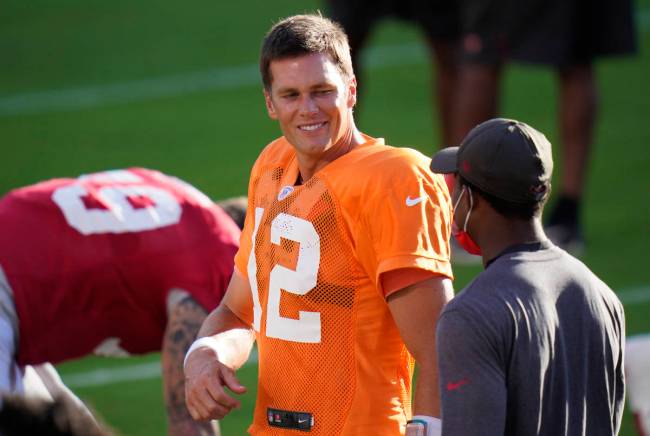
column 116, row 263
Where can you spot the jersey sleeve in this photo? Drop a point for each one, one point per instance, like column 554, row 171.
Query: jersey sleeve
column 473, row 391
column 246, row 238
column 407, row 219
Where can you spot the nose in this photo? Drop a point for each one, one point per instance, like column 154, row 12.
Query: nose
column 308, row 106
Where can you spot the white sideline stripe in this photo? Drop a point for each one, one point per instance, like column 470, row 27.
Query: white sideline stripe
column 232, row 77
column 142, row 371
column 107, row 376
column 170, row 86
column 635, row 295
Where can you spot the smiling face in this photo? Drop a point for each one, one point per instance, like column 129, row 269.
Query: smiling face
column 313, row 103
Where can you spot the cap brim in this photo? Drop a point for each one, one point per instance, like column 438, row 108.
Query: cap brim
column 444, row 162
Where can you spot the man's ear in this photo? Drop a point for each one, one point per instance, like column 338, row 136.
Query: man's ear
column 352, row 92
column 269, row 105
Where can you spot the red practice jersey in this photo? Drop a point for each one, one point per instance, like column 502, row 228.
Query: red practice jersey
column 93, row 259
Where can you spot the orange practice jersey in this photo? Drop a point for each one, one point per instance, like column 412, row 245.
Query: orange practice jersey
column 313, row 254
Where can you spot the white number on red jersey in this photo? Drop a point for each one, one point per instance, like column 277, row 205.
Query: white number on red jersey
column 119, row 214
column 307, row 328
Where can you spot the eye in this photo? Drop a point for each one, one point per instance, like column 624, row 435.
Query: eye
column 324, row 91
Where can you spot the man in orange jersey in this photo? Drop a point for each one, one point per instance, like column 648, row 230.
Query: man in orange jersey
column 343, row 266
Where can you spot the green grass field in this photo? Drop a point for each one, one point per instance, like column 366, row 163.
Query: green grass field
column 93, row 85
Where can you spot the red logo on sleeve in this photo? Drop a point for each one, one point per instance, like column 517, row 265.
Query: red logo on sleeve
column 453, row 386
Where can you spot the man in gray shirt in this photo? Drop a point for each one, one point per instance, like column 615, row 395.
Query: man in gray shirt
column 534, row 344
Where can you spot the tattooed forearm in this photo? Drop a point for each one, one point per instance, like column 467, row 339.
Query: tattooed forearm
column 182, row 327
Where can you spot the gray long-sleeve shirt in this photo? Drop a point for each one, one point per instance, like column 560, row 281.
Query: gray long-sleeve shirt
column 533, row 346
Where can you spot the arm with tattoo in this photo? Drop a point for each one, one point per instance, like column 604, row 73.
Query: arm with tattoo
column 184, row 322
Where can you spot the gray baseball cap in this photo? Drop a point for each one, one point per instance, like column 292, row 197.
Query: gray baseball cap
column 505, row 158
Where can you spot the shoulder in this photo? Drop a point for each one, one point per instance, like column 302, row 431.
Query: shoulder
column 385, row 157
column 378, row 169
column 590, row 282
column 277, row 153
column 403, row 170
column 481, row 299
column 570, row 272
column 182, row 190
column 36, row 199
column 204, row 213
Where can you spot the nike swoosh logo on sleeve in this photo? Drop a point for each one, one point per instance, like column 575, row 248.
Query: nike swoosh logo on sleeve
column 413, row 201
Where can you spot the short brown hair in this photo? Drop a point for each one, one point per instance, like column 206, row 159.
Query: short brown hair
column 301, row 35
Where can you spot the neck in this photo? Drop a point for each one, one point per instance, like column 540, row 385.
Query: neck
column 502, row 233
column 310, row 164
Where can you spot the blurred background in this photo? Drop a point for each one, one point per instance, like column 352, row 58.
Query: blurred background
column 93, row 85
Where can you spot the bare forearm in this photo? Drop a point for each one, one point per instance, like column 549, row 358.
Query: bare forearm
column 234, row 337
column 426, row 400
column 416, row 310
column 220, row 320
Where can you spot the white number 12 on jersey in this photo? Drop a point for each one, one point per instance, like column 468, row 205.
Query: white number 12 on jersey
column 307, row 328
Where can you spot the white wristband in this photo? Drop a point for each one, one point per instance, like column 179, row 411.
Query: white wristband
column 433, row 426
column 206, row 341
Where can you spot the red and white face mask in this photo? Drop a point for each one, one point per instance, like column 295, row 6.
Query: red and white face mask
column 462, row 237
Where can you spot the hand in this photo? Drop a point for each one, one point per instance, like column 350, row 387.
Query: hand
column 205, row 380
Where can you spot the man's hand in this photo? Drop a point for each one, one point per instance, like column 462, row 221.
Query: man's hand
column 205, row 381
column 209, row 373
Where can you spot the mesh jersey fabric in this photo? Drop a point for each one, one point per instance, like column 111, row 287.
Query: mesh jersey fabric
column 313, row 255
column 94, row 258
